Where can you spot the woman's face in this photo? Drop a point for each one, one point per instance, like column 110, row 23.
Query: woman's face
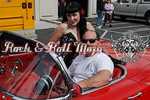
column 73, row 18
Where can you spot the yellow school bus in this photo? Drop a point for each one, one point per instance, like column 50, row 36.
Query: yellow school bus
column 16, row 14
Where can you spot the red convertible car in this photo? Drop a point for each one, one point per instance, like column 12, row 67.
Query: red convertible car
column 29, row 75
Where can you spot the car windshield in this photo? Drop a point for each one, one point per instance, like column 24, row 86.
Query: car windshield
column 31, row 76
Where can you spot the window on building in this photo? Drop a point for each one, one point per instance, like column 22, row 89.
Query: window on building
column 125, row 1
column 118, row 1
column 134, row 1
column 146, row 0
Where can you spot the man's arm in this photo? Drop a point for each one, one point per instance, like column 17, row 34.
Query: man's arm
column 100, row 79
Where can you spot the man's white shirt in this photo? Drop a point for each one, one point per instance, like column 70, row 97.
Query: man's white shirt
column 84, row 67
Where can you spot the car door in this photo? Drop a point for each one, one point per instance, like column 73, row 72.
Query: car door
column 117, row 7
column 131, row 8
column 124, row 7
column 124, row 90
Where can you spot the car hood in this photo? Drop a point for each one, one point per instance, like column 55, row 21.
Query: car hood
column 136, row 70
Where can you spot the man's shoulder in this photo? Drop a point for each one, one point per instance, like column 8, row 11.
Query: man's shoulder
column 78, row 58
column 101, row 55
column 103, row 61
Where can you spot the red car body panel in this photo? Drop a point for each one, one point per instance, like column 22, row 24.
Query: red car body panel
column 134, row 86
column 119, row 91
column 132, row 68
column 137, row 80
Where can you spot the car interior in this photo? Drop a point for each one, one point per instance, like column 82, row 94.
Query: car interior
column 12, row 65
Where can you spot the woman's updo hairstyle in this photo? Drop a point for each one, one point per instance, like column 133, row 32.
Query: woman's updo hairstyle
column 73, row 7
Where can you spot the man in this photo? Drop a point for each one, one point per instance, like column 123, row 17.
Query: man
column 100, row 11
column 91, row 69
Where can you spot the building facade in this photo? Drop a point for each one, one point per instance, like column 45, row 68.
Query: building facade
column 24, row 14
column 50, row 8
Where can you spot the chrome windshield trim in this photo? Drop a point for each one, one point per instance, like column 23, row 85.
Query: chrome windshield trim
column 59, row 98
column 62, row 64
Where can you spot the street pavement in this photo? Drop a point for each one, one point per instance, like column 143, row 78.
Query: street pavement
column 119, row 28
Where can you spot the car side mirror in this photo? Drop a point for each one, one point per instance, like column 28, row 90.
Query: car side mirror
column 43, row 84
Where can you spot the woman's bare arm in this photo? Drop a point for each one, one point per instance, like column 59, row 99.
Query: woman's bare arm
column 58, row 32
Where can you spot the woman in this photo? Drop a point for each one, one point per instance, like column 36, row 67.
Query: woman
column 72, row 27
column 72, row 23
column 108, row 12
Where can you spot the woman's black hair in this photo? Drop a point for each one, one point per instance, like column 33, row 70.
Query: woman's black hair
column 75, row 7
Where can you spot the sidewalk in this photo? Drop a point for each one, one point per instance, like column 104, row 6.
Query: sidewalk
column 39, row 26
column 45, row 27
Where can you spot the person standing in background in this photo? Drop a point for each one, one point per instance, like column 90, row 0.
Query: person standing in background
column 61, row 8
column 108, row 12
column 100, row 10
